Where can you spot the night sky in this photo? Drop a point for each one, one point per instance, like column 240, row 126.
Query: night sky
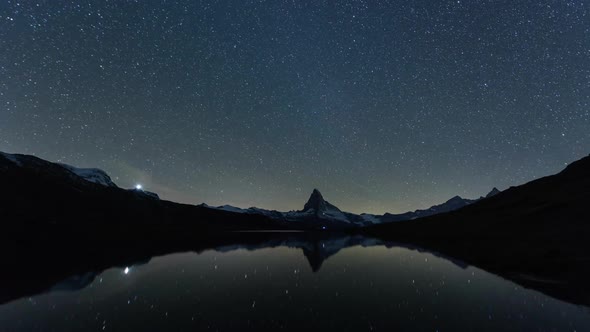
column 382, row 105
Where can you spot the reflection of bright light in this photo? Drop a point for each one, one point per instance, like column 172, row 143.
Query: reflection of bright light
column 138, row 186
column 126, row 271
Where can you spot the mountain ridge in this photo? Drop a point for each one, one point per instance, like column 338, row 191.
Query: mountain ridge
column 317, row 206
column 316, row 213
column 537, row 229
column 529, row 233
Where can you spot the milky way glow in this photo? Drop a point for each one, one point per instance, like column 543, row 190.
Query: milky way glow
column 385, row 106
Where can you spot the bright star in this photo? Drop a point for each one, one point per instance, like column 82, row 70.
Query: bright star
column 138, row 187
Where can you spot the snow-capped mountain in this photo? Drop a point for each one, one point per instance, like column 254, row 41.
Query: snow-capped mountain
column 317, row 207
column 11, row 157
column 452, row 204
column 95, row 175
column 34, row 192
column 322, row 214
column 65, row 171
column 317, row 213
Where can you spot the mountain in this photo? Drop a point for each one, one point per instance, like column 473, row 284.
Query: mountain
column 494, row 192
column 321, row 209
column 452, row 204
column 535, row 233
column 36, row 194
column 63, row 194
column 318, row 206
column 317, row 213
column 61, row 179
column 94, row 175
column 556, row 200
column 322, row 212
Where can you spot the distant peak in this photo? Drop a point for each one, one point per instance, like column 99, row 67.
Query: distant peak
column 316, row 201
column 455, row 199
column 493, row 192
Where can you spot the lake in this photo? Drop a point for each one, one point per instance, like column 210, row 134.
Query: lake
column 328, row 285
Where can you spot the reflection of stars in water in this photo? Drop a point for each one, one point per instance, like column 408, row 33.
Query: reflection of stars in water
column 285, row 285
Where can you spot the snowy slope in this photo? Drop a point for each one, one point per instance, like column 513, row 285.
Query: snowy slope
column 94, row 175
column 11, row 157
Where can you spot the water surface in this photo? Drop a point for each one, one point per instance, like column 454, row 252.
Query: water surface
column 360, row 288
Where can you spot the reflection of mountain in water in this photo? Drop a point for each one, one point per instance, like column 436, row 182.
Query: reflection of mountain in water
column 75, row 282
column 72, row 270
column 317, row 247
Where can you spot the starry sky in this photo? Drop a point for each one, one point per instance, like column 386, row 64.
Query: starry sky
column 385, row 106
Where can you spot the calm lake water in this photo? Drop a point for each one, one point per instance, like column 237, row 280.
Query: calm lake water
column 231, row 289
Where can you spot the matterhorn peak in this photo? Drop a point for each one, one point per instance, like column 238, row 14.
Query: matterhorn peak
column 316, row 205
column 316, row 201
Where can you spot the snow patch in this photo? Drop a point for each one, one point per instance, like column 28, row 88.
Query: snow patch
column 94, row 175
column 370, row 218
column 11, row 157
column 230, row 208
column 334, row 215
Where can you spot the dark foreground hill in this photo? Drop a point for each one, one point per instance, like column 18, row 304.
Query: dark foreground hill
column 537, row 234
column 38, row 193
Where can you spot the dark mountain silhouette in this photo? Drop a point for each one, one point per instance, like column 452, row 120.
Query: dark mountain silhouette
column 318, row 205
column 37, row 193
column 557, row 201
column 494, row 192
column 316, row 202
column 536, row 233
